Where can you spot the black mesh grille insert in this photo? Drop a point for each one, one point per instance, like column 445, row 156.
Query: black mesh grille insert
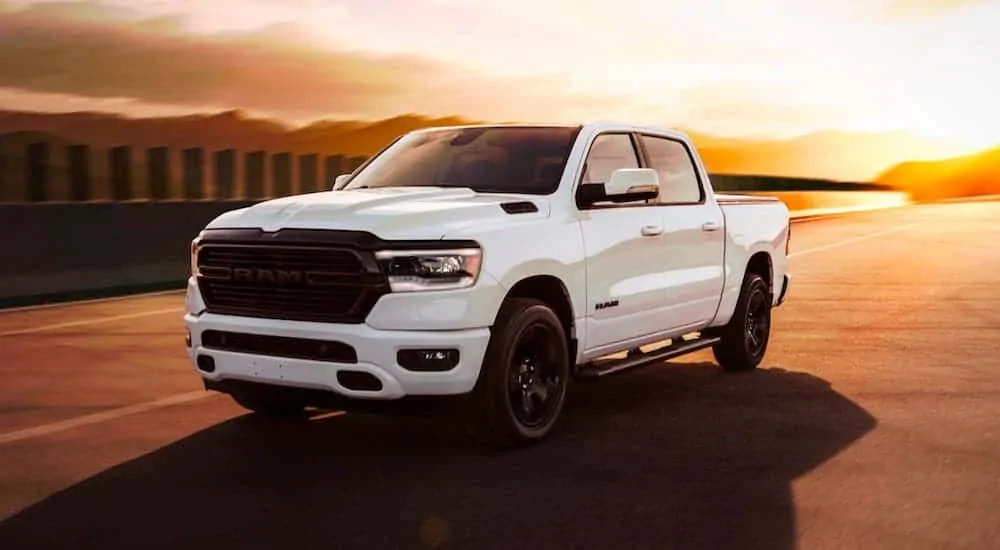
column 279, row 346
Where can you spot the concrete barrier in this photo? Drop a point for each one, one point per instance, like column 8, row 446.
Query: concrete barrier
column 65, row 251
column 57, row 252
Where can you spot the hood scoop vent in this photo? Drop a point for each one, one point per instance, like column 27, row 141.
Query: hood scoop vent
column 519, row 207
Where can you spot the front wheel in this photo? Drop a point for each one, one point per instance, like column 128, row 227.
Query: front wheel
column 522, row 387
column 745, row 337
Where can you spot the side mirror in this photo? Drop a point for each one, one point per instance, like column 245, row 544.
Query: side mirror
column 633, row 183
column 624, row 185
column 340, row 182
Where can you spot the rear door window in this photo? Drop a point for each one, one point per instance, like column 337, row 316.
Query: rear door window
column 672, row 161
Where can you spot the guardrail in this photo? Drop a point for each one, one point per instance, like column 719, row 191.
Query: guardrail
column 725, row 183
column 39, row 171
column 810, row 204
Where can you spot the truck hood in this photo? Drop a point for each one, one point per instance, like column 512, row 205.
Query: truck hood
column 390, row 212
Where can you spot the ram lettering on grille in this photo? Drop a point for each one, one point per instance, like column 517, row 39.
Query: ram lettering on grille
column 310, row 284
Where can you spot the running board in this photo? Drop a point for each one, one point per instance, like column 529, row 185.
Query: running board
column 676, row 348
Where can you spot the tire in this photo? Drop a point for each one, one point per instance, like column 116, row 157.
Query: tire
column 744, row 339
column 270, row 404
column 521, row 390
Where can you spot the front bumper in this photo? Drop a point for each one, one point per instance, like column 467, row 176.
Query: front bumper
column 407, row 321
column 376, row 355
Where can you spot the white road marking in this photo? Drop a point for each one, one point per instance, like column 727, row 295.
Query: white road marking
column 854, row 240
column 104, row 416
column 96, row 321
column 193, row 396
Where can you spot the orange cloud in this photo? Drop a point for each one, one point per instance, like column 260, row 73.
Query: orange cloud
column 724, row 66
column 94, row 51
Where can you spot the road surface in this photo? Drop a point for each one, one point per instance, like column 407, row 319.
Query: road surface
column 874, row 423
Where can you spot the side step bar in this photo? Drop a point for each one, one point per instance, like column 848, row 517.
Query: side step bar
column 635, row 358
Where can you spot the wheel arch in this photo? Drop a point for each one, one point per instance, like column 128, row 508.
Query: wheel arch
column 760, row 263
column 758, row 259
column 552, row 291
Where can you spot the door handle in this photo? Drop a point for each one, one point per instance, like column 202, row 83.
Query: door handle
column 651, row 230
column 710, row 226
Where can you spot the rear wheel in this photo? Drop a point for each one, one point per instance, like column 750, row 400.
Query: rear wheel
column 522, row 387
column 745, row 338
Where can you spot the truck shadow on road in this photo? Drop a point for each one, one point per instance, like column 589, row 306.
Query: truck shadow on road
column 671, row 456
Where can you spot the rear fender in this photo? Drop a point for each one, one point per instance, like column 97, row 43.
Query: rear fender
column 737, row 260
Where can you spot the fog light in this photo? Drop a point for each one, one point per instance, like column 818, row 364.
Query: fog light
column 427, row 360
column 206, row 363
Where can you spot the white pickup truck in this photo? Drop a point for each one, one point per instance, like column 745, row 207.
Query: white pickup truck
column 491, row 264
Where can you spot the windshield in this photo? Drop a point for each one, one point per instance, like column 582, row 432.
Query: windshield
column 509, row 159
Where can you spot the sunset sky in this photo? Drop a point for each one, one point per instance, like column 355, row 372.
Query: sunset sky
column 763, row 68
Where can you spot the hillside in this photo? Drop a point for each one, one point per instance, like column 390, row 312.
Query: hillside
column 977, row 174
column 230, row 129
column 827, row 155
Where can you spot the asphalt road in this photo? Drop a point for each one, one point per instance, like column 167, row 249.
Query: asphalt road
column 872, row 424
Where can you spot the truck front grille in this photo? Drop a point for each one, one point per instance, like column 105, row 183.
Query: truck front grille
column 302, row 282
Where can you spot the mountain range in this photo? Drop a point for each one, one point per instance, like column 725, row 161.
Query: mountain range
column 964, row 176
column 873, row 157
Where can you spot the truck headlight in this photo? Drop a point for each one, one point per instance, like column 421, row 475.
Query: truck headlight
column 416, row 270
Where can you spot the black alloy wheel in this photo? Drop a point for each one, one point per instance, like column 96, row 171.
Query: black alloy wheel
column 534, row 376
column 758, row 322
column 744, row 339
column 521, row 390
